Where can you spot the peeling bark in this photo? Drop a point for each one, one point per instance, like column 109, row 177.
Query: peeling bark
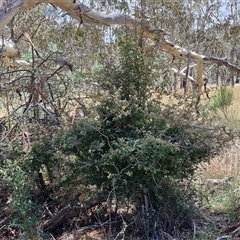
column 86, row 15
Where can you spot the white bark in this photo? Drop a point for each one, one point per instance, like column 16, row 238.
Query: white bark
column 85, row 15
column 182, row 73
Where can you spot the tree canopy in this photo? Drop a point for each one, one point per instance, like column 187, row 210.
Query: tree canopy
column 87, row 15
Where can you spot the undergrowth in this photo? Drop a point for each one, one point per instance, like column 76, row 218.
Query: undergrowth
column 134, row 150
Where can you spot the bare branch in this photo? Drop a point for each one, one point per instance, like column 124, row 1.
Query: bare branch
column 86, row 15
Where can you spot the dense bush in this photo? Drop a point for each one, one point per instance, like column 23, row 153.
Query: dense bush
column 138, row 148
column 135, row 148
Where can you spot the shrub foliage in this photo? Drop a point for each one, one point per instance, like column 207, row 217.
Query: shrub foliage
column 134, row 148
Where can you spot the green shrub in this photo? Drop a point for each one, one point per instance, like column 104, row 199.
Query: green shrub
column 132, row 162
column 134, row 148
column 23, row 209
column 138, row 148
column 222, row 100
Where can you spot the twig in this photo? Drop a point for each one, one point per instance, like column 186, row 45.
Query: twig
column 49, row 212
column 46, row 111
column 28, row 108
column 3, row 222
column 223, row 237
column 167, row 235
column 52, row 236
column 108, row 141
column 82, row 229
column 201, row 127
column 194, row 230
column 219, row 181
column 2, row 50
column 122, row 232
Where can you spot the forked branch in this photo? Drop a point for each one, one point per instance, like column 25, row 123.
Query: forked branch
column 87, row 15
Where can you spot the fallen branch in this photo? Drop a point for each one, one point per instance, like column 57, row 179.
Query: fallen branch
column 224, row 237
column 61, row 217
column 71, row 210
column 86, row 15
column 47, row 112
column 90, row 227
column 219, row 181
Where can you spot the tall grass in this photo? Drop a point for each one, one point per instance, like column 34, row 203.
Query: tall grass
column 225, row 164
column 223, row 196
column 222, row 100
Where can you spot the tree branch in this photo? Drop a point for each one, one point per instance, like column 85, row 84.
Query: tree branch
column 86, row 15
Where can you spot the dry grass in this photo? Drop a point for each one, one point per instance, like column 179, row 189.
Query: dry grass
column 226, row 164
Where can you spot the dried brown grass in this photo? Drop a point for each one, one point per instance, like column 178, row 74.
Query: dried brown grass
column 226, row 164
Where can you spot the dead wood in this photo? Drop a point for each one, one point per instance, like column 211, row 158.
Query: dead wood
column 61, row 217
column 219, row 181
column 73, row 209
